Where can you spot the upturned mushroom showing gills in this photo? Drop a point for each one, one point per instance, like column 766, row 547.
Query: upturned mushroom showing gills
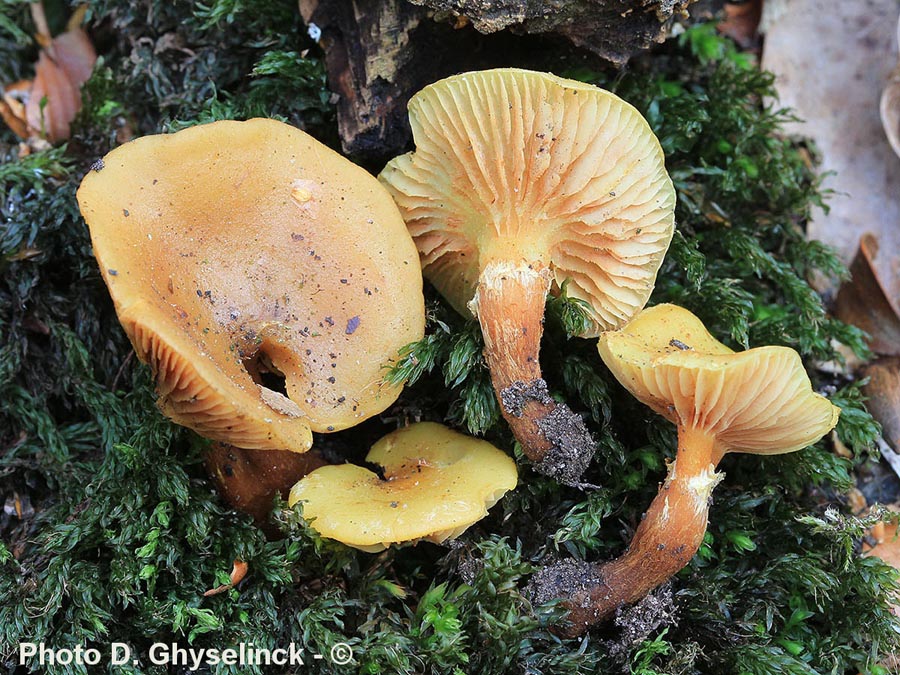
column 266, row 279
column 522, row 181
column 437, row 482
column 757, row 401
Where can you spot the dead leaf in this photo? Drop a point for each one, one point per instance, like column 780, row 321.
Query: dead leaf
column 24, row 254
column 741, row 22
column 856, row 500
column 883, row 392
column 886, row 543
column 55, row 96
column 238, row 572
column 12, row 107
column 890, row 106
column 831, row 66
column 45, row 106
column 868, row 299
column 840, row 448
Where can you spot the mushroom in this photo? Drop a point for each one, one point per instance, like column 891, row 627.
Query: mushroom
column 758, row 401
column 437, row 482
column 267, row 280
column 521, row 182
column 250, row 479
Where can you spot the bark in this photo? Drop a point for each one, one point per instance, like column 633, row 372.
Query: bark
column 613, row 29
column 370, row 63
column 378, row 53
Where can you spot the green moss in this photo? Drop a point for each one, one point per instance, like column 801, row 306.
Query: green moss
column 128, row 532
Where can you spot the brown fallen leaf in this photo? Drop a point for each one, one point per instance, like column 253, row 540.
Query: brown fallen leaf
column 55, row 96
column 883, row 392
column 885, row 544
column 869, row 301
column 24, row 254
column 45, row 106
column 856, row 500
column 12, row 107
column 238, row 572
column 741, row 22
column 831, row 61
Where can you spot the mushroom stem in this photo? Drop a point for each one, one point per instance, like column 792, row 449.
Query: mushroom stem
column 249, row 479
column 669, row 535
column 509, row 303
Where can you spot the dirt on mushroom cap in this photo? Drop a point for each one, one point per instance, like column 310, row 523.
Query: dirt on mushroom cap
column 249, row 246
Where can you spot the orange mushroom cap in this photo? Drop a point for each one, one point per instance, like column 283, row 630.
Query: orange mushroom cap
column 235, row 248
column 758, row 401
column 520, row 182
column 513, row 167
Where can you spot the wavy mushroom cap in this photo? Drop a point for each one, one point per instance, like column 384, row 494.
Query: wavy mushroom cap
column 513, row 165
column 758, row 401
column 234, row 249
column 437, row 482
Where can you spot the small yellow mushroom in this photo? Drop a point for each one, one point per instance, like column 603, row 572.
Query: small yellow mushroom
column 758, row 401
column 437, row 482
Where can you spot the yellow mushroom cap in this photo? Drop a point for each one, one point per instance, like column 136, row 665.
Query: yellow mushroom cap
column 758, row 401
column 437, row 483
column 250, row 245
column 514, row 166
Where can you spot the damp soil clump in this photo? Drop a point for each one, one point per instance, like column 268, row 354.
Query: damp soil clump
column 571, row 445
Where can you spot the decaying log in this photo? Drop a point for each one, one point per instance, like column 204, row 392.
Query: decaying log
column 378, row 53
column 368, row 56
column 613, row 29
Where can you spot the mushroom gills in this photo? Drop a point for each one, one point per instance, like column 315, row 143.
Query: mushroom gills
column 519, row 182
column 267, row 280
column 758, row 401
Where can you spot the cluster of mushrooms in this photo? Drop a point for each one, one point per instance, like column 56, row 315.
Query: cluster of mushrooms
column 239, row 252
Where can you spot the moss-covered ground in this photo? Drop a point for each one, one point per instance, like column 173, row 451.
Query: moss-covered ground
column 127, row 531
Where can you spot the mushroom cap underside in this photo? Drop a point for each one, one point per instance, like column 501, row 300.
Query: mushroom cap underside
column 525, row 167
column 758, row 401
column 437, row 482
column 234, row 250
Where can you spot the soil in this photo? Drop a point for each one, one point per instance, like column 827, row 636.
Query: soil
column 641, row 620
column 571, row 445
column 564, row 579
